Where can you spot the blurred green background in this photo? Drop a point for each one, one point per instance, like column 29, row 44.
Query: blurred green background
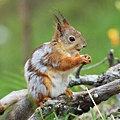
column 25, row 24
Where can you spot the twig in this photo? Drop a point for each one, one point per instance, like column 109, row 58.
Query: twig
column 97, row 64
column 110, row 57
column 77, row 73
column 83, row 80
column 112, row 117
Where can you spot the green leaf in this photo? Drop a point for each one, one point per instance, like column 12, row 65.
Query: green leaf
column 92, row 113
column 56, row 118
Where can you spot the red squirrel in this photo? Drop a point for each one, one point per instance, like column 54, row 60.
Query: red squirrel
column 48, row 68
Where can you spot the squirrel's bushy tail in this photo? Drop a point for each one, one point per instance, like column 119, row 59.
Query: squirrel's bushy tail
column 21, row 111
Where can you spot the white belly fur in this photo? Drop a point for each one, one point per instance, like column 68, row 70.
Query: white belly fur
column 60, row 83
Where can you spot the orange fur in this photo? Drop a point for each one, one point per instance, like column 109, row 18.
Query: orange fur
column 69, row 63
column 47, row 82
column 42, row 99
column 69, row 93
column 77, row 54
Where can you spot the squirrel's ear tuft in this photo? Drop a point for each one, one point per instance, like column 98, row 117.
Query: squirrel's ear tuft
column 65, row 22
column 56, row 18
column 59, row 28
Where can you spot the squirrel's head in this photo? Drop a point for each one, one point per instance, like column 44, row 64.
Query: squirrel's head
column 69, row 37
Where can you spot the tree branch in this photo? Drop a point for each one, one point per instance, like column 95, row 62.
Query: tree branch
column 80, row 102
column 11, row 98
column 97, row 80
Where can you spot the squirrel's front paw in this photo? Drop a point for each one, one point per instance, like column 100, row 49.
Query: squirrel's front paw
column 86, row 59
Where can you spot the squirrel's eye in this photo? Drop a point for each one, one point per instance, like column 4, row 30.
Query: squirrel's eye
column 71, row 38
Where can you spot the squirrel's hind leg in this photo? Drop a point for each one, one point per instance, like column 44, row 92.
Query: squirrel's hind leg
column 69, row 93
column 44, row 99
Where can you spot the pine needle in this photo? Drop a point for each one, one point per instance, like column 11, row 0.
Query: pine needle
column 94, row 104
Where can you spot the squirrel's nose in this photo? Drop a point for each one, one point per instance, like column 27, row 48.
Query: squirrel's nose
column 84, row 45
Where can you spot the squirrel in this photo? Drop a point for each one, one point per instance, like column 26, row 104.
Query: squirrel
column 48, row 68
